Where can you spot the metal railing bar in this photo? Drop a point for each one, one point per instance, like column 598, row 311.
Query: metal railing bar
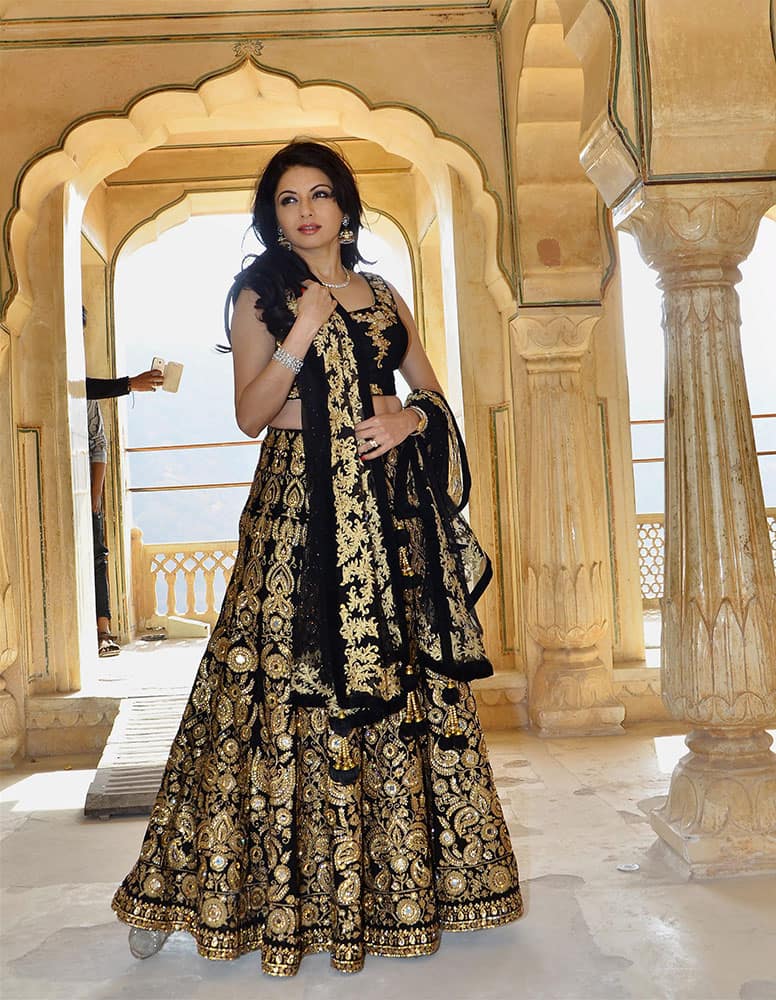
column 192, row 486
column 189, row 447
column 660, row 420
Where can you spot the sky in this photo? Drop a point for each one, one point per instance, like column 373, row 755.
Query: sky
column 645, row 358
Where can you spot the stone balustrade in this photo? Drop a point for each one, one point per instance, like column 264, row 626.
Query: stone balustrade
column 165, row 573
column 186, row 579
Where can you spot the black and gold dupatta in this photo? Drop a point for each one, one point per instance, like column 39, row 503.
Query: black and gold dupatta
column 352, row 633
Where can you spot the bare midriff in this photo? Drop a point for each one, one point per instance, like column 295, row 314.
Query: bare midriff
column 290, row 417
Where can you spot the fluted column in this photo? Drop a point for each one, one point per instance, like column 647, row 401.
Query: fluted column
column 719, row 608
column 567, row 601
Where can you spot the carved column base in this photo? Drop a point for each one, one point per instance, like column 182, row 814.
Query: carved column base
column 572, row 695
column 720, row 814
column 10, row 732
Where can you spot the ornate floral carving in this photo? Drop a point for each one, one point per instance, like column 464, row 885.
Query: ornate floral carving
column 553, row 335
column 720, row 814
column 566, row 607
column 689, row 224
column 249, row 48
column 44, row 717
column 725, row 672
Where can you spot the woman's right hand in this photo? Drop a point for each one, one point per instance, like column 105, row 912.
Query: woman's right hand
column 315, row 305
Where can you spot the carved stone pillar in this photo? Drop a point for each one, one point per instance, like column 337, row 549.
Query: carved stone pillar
column 567, row 601
column 719, row 608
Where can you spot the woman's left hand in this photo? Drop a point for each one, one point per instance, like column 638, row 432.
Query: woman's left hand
column 379, row 434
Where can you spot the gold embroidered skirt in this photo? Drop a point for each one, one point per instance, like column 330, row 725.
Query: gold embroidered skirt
column 255, row 844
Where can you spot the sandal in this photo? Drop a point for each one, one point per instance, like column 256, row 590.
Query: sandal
column 107, row 645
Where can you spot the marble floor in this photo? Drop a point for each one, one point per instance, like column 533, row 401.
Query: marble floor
column 575, row 809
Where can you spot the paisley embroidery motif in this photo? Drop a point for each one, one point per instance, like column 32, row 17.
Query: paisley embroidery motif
column 252, row 844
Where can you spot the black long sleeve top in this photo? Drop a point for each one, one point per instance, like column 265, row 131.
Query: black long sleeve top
column 107, row 388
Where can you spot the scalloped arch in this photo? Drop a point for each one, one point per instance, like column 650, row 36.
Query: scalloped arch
column 242, row 97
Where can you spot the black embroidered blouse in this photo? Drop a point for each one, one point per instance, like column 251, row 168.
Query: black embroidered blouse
column 380, row 338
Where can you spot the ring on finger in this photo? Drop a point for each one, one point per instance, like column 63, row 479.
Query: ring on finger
column 371, row 444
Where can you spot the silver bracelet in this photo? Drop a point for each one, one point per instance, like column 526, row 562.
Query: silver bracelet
column 291, row 361
column 422, row 418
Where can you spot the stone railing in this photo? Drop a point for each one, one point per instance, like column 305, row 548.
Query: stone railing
column 189, row 578
column 651, row 540
column 184, row 578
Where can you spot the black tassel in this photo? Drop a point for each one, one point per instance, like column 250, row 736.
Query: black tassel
column 451, row 695
column 414, row 717
column 410, row 678
column 340, row 725
column 453, row 737
column 344, row 769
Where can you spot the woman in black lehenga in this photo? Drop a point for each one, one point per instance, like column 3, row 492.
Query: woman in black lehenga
column 329, row 786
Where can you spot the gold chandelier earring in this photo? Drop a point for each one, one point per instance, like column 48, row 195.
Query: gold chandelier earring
column 346, row 234
column 283, row 240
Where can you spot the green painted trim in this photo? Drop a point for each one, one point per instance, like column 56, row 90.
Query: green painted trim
column 506, row 10
column 231, row 36
column 666, row 180
column 614, row 83
column 562, row 303
column 36, row 433
column 644, row 89
column 158, row 212
column 60, row 145
column 773, row 27
column 436, row 132
column 495, row 476
column 414, row 264
column 515, row 217
column 509, row 171
column 605, row 451
column 731, row 175
column 607, row 228
column 98, row 252
column 235, row 178
column 284, row 12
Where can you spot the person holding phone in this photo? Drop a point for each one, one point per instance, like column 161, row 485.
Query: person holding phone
column 106, row 388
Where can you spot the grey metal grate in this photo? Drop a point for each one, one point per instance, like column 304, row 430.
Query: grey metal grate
column 133, row 760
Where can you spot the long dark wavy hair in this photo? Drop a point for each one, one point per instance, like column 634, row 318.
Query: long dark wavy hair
column 277, row 271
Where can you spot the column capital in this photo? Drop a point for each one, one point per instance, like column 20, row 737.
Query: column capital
column 562, row 336
column 689, row 225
